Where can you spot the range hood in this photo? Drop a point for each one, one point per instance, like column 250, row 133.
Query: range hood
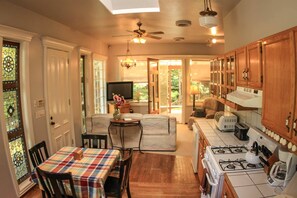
column 246, row 97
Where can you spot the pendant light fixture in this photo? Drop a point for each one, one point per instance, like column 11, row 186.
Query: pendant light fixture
column 128, row 62
column 207, row 16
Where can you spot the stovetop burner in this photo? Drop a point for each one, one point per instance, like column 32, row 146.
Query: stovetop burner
column 238, row 164
column 229, row 149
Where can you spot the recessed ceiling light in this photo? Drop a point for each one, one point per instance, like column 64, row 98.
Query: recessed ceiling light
column 131, row 6
column 183, row 23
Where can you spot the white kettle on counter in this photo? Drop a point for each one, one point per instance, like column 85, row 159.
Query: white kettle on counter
column 252, row 156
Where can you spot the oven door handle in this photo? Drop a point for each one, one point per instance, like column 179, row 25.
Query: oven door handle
column 205, row 165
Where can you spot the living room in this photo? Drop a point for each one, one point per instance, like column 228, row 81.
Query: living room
column 248, row 21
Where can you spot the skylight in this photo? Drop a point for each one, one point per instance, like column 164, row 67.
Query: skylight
column 131, row 6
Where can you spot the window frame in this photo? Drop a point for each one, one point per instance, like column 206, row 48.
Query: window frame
column 23, row 38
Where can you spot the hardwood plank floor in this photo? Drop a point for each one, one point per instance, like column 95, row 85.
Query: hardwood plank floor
column 156, row 175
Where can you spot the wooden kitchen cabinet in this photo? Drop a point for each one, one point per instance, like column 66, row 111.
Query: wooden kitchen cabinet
column 216, row 77
column 228, row 190
column 202, row 147
column 249, row 66
column 279, row 86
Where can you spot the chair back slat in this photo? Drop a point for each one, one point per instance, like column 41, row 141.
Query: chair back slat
column 115, row 186
column 38, row 154
column 94, row 141
column 54, row 184
column 125, row 167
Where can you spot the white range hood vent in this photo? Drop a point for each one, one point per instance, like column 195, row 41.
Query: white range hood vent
column 246, row 97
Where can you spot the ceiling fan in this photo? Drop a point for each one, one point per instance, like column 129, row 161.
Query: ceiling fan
column 140, row 34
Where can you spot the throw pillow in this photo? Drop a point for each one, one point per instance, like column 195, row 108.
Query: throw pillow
column 209, row 113
column 199, row 113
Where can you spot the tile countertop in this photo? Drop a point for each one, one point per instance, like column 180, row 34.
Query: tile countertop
column 246, row 184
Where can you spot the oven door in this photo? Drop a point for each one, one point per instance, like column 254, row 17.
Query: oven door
column 209, row 185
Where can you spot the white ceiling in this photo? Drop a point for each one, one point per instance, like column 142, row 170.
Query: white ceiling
column 92, row 18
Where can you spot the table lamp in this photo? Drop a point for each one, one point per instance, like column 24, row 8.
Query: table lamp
column 194, row 91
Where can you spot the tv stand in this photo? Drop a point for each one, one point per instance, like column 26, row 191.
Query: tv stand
column 123, row 108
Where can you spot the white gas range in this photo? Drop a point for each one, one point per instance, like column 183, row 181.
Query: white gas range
column 221, row 159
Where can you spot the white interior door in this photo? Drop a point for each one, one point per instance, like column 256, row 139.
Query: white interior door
column 58, row 97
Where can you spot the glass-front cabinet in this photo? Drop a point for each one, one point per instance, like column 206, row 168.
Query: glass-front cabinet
column 222, row 74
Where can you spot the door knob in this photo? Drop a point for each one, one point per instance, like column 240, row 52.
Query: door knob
column 52, row 123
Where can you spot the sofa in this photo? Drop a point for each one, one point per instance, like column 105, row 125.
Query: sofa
column 159, row 131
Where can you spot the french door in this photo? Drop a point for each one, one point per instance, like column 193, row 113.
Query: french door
column 153, row 85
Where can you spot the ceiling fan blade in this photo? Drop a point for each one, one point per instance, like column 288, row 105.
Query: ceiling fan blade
column 153, row 37
column 157, row 32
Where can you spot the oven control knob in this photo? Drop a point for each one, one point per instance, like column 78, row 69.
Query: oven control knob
column 271, row 134
column 290, row 145
column 294, row 148
column 277, row 137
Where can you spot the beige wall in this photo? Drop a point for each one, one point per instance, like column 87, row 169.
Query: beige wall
column 156, row 50
column 251, row 20
column 14, row 16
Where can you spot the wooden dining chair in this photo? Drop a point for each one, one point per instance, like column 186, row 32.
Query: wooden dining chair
column 54, row 184
column 94, row 141
column 38, row 154
column 116, row 186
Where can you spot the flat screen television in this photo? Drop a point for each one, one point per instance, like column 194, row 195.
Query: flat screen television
column 122, row 88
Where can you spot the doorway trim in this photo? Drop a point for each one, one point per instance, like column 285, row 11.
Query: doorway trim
column 52, row 43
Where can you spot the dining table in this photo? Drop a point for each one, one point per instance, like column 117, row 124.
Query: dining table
column 89, row 173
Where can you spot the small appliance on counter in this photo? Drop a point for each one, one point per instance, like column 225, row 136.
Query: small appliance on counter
column 225, row 121
column 283, row 170
column 241, row 131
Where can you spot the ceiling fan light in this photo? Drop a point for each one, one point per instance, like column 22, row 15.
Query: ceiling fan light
column 208, row 21
column 139, row 40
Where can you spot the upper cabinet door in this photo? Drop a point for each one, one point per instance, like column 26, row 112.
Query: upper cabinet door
column 279, row 83
column 253, row 73
column 241, row 67
column 249, row 66
column 294, row 124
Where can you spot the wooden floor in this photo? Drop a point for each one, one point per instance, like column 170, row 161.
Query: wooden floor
column 156, row 175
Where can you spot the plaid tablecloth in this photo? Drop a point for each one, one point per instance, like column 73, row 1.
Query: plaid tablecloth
column 89, row 173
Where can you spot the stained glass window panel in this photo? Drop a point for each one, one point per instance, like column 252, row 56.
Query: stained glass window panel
column 18, row 157
column 11, row 110
column 9, row 57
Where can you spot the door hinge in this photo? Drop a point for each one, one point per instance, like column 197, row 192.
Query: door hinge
column 262, row 79
column 69, row 102
column 68, row 61
column 72, row 141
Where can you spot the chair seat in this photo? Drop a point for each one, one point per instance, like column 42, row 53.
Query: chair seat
column 111, row 186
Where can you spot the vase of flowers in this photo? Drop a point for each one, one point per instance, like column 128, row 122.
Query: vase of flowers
column 118, row 101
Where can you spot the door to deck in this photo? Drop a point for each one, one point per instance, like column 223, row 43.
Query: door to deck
column 153, row 85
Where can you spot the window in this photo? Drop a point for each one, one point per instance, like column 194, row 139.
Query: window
column 138, row 75
column 199, row 74
column 99, row 86
column 83, row 91
column 13, row 109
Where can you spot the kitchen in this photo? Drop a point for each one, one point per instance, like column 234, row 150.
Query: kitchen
column 240, row 29
column 270, row 138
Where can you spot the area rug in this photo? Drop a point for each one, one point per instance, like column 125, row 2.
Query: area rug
column 184, row 146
